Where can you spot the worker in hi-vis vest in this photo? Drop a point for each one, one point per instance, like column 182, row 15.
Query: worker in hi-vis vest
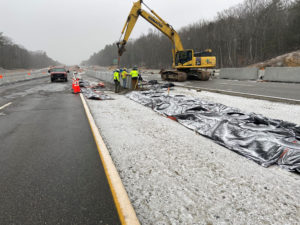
column 117, row 80
column 134, row 77
column 124, row 77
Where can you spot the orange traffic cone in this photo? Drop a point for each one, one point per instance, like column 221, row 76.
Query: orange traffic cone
column 76, row 87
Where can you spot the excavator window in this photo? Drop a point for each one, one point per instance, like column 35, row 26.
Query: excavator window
column 183, row 57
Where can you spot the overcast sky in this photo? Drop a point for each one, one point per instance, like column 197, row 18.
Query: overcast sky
column 71, row 30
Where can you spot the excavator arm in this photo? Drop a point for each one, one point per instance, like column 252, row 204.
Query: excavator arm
column 152, row 18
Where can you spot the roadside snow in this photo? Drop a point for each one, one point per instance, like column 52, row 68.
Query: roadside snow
column 174, row 176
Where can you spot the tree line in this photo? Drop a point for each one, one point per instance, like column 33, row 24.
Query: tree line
column 13, row 56
column 250, row 32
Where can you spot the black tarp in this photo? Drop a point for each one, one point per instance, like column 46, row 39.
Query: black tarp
column 95, row 95
column 266, row 141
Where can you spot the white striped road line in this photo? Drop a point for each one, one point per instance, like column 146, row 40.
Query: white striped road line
column 245, row 85
column 2, row 107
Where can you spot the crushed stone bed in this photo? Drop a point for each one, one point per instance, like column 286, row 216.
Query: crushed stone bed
column 174, row 176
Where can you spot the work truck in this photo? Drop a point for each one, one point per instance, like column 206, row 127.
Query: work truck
column 58, row 73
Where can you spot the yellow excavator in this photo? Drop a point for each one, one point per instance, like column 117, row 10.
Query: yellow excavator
column 187, row 62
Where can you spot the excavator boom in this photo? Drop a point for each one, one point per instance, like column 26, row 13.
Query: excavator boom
column 153, row 19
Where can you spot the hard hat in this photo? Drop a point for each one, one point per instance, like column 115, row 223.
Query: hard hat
column 117, row 70
column 124, row 68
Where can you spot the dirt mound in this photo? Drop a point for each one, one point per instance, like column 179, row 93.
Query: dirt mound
column 291, row 59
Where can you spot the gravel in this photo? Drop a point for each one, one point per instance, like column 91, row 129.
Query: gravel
column 174, row 176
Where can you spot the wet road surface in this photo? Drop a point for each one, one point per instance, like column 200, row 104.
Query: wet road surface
column 272, row 89
column 50, row 170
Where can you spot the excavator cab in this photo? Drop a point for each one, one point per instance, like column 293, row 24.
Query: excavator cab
column 191, row 59
column 183, row 57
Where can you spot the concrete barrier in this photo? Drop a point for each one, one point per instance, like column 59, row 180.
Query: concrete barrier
column 282, row 74
column 261, row 74
column 107, row 76
column 239, row 73
column 8, row 77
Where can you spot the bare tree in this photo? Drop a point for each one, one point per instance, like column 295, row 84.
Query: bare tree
column 245, row 34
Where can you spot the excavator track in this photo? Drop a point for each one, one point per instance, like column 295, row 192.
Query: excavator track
column 173, row 75
column 199, row 74
column 180, row 76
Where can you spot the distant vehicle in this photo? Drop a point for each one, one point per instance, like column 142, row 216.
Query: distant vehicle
column 58, row 73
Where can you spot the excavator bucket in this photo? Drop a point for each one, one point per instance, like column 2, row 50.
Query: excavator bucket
column 121, row 48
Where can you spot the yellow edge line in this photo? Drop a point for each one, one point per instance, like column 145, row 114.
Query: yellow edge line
column 125, row 210
column 2, row 107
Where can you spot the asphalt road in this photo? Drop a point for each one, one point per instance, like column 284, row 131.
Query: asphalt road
column 50, row 170
column 273, row 89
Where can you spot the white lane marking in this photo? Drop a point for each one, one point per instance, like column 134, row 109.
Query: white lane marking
column 2, row 107
column 246, row 85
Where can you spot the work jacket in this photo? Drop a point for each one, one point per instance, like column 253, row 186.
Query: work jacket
column 134, row 73
column 124, row 74
column 116, row 76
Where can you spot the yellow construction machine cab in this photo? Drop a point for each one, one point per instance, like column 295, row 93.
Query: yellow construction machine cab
column 190, row 59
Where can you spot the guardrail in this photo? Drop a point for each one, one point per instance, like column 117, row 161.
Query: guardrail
column 7, row 77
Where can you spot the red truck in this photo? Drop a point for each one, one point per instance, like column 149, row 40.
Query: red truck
column 58, row 73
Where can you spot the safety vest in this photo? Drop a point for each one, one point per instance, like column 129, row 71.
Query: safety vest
column 124, row 73
column 134, row 73
column 116, row 76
